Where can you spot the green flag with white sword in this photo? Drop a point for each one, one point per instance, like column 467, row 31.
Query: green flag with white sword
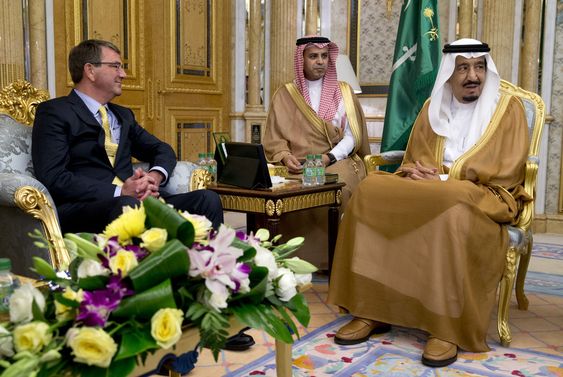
column 415, row 65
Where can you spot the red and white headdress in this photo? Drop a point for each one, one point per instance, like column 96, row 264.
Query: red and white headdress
column 330, row 94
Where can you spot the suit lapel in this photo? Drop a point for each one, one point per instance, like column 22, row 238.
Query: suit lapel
column 82, row 111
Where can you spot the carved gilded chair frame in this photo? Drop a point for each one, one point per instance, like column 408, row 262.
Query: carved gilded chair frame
column 19, row 100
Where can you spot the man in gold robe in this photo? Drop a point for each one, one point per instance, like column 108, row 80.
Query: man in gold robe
column 316, row 114
column 425, row 248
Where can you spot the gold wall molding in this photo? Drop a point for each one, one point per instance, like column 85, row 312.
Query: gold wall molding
column 529, row 61
column 282, row 35
column 498, row 32
column 12, row 54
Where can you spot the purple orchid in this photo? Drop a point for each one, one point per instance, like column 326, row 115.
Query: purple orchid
column 117, row 285
column 217, row 264
column 96, row 307
column 140, row 252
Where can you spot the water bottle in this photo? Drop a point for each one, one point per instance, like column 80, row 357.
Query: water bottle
column 309, row 172
column 321, row 179
column 8, row 282
column 212, row 167
column 201, row 161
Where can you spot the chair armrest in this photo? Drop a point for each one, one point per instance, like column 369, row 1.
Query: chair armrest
column 372, row 161
column 526, row 215
column 11, row 182
column 186, row 177
column 31, row 196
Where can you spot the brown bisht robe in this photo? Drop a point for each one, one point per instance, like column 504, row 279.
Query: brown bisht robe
column 294, row 128
column 430, row 254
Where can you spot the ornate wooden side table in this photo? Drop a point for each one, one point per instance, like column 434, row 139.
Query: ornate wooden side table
column 288, row 197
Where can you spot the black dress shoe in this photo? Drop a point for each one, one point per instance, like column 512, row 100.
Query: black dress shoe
column 240, row 341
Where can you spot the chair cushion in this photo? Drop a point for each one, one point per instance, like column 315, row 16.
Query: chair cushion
column 15, row 147
column 516, row 236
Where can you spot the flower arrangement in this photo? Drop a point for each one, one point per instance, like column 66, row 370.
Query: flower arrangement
column 130, row 290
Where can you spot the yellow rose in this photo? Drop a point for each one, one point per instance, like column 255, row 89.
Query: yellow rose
column 201, row 225
column 91, row 346
column 123, row 260
column 130, row 224
column 62, row 311
column 32, row 337
column 166, row 326
column 154, row 238
column 428, row 12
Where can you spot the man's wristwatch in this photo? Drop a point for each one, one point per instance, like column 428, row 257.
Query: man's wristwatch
column 331, row 159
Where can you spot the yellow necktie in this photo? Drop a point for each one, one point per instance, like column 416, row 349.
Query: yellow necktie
column 110, row 147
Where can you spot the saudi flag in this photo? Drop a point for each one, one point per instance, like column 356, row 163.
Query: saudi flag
column 415, row 65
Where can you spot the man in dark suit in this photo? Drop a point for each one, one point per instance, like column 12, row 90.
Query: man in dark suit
column 82, row 147
column 89, row 171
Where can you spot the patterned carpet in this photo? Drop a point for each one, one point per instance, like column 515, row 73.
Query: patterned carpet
column 397, row 353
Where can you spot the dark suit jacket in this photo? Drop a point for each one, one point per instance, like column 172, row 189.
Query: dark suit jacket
column 69, row 156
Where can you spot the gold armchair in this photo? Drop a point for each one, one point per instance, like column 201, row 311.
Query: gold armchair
column 25, row 204
column 521, row 240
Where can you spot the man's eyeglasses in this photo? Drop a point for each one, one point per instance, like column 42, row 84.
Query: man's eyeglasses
column 114, row 65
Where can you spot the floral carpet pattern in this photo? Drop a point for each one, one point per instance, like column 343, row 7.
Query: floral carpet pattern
column 397, row 354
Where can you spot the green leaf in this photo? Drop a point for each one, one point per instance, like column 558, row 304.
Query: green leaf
column 146, row 303
column 249, row 252
column 65, row 301
column 22, row 367
column 195, row 311
column 91, row 283
column 289, row 322
column 276, row 238
column 289, row 247
column 170, row 261
column 264, row 318
column 134, row 342
column 299, row 266
column 186, row 233
column 84, row 247
column 73, row 268
column 258, row 283
column 43, row 268
column 262, row 234
column 213, row 332
column 160, row 215
column 299, row 308
column 37, row 312
column 118, row 368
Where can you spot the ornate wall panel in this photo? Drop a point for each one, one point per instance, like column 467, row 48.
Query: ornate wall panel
column 372, row 33
column 192, row 130
column 117, row 21
column 195, row 51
